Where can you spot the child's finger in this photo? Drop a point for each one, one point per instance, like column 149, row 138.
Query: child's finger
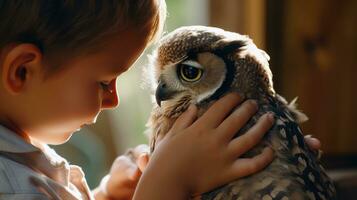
column 219, row 110
column 313, row 143
column 142, row 161
column 185, row 119
column 247, row 166
column 123, row 168
column 135, row 175
column 141, row 149
column 253, row 136
column 238, row 119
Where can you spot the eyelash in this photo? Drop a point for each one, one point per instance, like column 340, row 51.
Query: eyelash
column 104, row 85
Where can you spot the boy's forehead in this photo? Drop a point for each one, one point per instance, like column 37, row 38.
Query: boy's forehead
column 115, row 55
column 124, row 50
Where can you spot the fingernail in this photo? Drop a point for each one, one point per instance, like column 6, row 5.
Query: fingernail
column 144, row 154
column 254, row 103
column 142, row 161
column 238, row 95
column 191, row 107
column 270, row 151
column 271, row 117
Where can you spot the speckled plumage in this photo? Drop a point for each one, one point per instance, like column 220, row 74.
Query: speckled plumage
column 231, row 62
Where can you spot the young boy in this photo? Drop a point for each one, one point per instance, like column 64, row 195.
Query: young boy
column 59, row 63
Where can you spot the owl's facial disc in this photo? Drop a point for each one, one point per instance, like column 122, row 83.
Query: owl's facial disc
column 187, row 72
column 195, row 78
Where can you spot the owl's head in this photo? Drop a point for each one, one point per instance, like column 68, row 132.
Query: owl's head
column 198, row 63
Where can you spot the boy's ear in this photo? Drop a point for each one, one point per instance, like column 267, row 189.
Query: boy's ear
column 19, row 65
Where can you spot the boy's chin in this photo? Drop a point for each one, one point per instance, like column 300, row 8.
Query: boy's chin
column 56, row 139
column 63, row 139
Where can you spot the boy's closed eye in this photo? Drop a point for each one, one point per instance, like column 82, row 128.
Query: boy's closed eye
column 104, row 85
column 108, row 85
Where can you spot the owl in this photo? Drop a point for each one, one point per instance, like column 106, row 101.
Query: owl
column 198, row 65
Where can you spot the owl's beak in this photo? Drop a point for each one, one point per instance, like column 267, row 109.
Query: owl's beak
column 163, row 93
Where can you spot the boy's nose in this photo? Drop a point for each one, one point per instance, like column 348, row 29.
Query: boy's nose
column 110, row 97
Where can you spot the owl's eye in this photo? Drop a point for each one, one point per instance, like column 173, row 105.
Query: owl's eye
column 189, row 73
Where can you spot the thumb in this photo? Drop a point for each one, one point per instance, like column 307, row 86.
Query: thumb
column 142, row 161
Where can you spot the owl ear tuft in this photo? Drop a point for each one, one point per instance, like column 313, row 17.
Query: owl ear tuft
column 227, row 45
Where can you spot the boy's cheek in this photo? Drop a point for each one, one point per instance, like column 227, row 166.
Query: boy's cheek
column 81, row 107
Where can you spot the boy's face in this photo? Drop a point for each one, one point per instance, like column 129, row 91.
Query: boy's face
column 60, row 105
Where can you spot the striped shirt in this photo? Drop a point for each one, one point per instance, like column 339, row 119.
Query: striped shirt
column 27, row 172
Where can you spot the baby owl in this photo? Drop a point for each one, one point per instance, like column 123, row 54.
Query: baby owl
column 198, row 65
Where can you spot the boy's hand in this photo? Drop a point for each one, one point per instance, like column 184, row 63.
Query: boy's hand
column 199, row 155
column 124, row 175
column 314, row 144
column 126, row 171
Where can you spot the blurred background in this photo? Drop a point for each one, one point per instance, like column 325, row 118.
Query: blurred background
column 313, row 47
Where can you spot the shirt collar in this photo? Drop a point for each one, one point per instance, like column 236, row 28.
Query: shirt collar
column 44, row 160
column 12, row 143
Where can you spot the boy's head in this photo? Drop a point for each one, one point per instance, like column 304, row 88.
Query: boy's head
column 59, row 60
